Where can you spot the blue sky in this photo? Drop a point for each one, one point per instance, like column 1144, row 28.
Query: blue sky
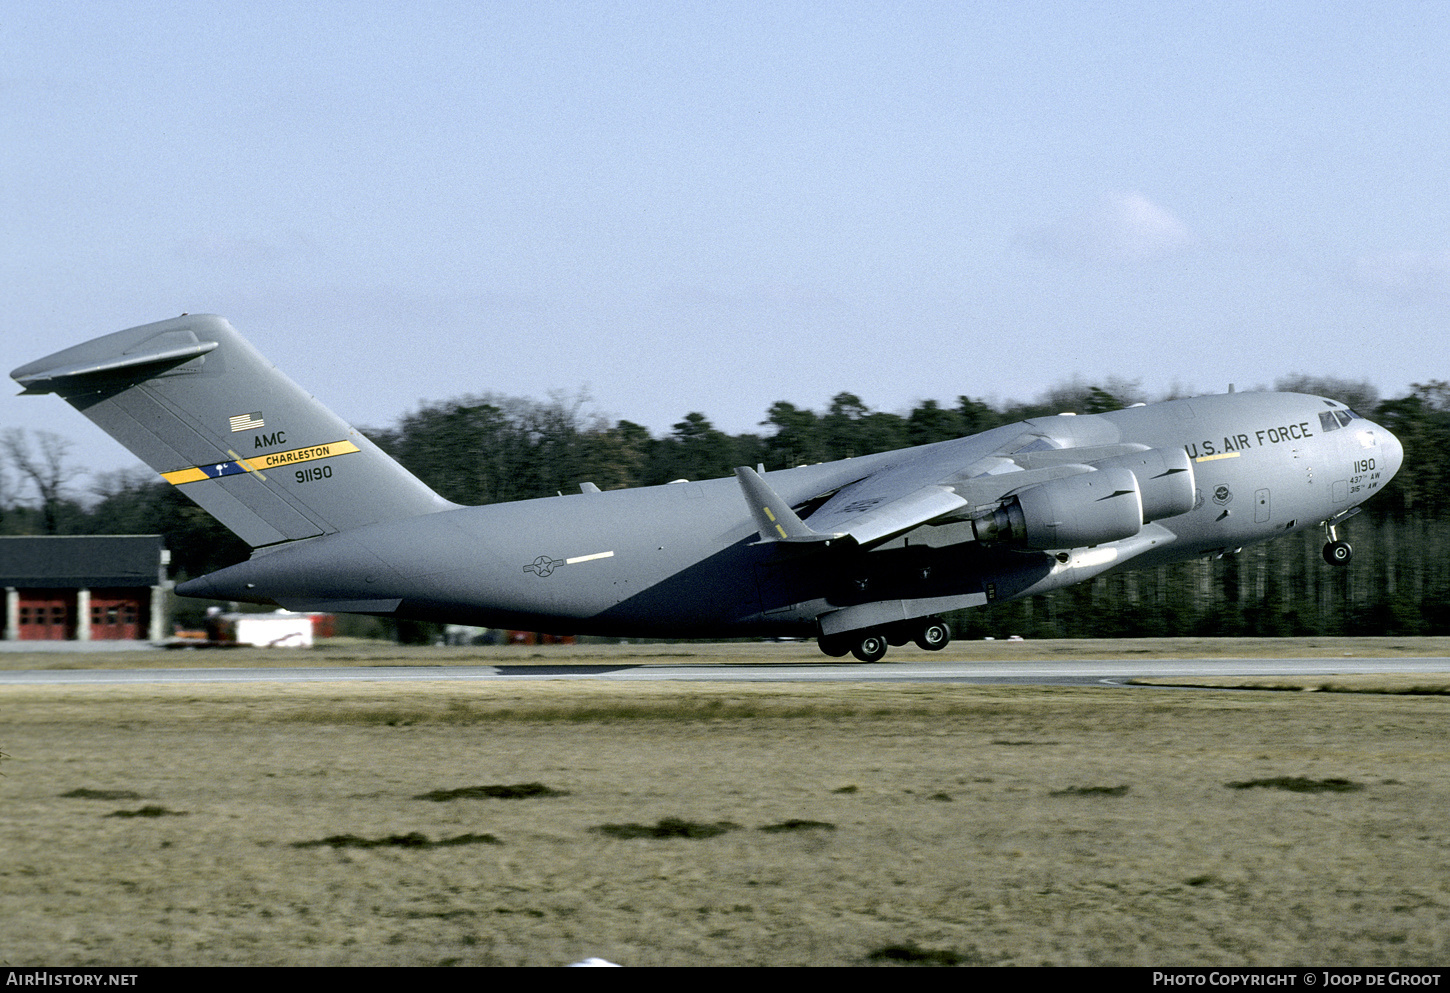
column 714, row 206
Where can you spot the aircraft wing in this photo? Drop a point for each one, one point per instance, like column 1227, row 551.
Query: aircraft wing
column 870, row 520
column 941, row 484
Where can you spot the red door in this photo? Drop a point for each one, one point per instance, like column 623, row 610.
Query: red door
column 46, row 615
column 115, row 615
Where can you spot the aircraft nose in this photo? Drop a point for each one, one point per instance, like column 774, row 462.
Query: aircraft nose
column 1391, row 452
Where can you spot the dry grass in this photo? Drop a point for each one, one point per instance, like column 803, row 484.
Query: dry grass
column 358, row 652
column 872, row 823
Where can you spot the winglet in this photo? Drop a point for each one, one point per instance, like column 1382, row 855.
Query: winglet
column 777, row 522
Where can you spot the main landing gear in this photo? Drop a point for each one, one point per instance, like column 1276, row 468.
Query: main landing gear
column 1336, row 552
column 869, row 645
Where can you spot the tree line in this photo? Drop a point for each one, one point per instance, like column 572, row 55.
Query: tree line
column 489, row 448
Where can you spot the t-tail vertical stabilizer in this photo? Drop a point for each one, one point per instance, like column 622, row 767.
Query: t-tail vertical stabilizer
column 197, row 403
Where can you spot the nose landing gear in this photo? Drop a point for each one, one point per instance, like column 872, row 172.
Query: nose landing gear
column 1336, row 552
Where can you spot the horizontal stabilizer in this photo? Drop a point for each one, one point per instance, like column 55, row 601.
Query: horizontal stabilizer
column 45, row 375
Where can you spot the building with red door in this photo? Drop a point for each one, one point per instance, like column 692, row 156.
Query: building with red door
column 84, row 587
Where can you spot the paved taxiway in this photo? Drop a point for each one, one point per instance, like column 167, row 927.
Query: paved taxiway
column 1082, row 672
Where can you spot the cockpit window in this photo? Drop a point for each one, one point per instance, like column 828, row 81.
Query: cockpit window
column 1333, row 420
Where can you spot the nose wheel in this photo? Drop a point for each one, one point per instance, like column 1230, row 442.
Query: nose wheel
column 1336, row 552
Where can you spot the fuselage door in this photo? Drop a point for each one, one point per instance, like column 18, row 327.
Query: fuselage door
column 1261, row 506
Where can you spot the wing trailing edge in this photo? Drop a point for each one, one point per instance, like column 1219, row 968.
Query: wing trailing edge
column 873, row 522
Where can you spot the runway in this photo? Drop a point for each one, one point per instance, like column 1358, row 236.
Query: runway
column 1089, row 672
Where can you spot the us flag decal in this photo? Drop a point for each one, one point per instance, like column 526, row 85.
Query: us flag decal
column 247, row 422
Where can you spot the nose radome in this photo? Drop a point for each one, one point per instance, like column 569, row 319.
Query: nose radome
column 1392, row 453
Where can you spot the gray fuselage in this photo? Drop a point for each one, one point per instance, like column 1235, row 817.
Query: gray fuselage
column 688, row 560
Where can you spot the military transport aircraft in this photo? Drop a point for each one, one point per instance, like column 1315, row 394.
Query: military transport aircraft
column 862, row 554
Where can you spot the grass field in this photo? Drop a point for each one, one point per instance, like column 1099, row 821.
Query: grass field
column 722, row 824
column 356, row 651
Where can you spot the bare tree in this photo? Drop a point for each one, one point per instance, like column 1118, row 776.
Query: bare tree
column 6, row 497
column 45, row 466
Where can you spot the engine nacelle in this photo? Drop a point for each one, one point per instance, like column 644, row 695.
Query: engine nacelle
column 1088, row 508
column 1165, row 478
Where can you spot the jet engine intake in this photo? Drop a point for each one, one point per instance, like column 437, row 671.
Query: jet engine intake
column 1088, row 508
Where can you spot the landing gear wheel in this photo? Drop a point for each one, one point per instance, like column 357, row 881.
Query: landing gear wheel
column 870, row 647
column 836, row 647
column 934, row 635
column 1338, row 553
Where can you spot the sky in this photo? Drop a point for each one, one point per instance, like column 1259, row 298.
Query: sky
column 715, row 206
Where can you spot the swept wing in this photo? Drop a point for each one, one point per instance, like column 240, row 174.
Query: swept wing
column 1002, row 482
